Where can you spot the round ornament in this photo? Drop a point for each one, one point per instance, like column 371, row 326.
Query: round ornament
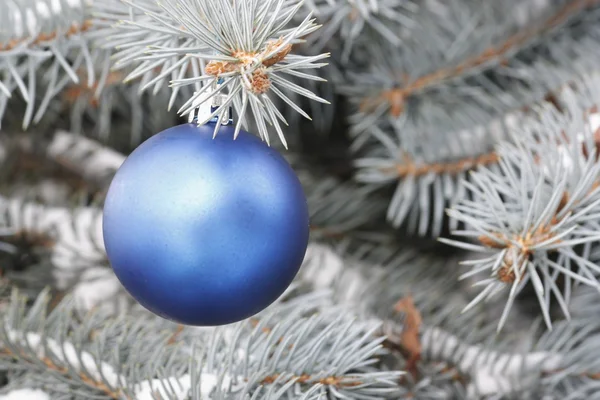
column 205, row 231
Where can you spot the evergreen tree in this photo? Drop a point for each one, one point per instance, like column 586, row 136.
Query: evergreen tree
column 448, row 151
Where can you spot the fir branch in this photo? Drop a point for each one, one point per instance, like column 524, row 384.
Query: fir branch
column 426, row 185
column 409, row 337
column 322, row 117
column 33, row 221
column 372, row 283
column 65, row 240
column 48, row 354
column 50, row 191
column 98, row 289
column 80, row 244
column 34, row 173
column 459, row 354
column 584, row 300
column 77, row 90
column 558, row 359
column 244, row 46
column 576, row 376
column 409, row 168
column 338, row 339
column 333, row 205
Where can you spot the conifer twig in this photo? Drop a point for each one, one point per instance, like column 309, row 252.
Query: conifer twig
column 540, row 203
column 396, row 97
column 241, row 50
column 53, row 37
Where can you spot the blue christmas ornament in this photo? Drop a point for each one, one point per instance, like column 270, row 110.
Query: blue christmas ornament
column 205, row 231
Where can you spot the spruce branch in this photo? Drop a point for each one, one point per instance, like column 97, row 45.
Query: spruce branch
column 75, row 358
column 425, row 185
column 501, row 71
column 421, row 136
column 25, row 394
column 495, row 55
column 241, row 49
column 353, row 21
column 322, row 117
column 94, row 162
column 328, row 354
column 50, row 36
column 72, row 237
column 460, row 356
column 535, row 217
column 338, row 207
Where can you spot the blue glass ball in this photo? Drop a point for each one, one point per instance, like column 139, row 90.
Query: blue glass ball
column 205, row 231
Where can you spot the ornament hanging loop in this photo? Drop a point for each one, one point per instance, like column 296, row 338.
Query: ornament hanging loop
column 206, row 108
column 217, row 102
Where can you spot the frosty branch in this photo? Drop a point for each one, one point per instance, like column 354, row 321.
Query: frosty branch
column 501, row 53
